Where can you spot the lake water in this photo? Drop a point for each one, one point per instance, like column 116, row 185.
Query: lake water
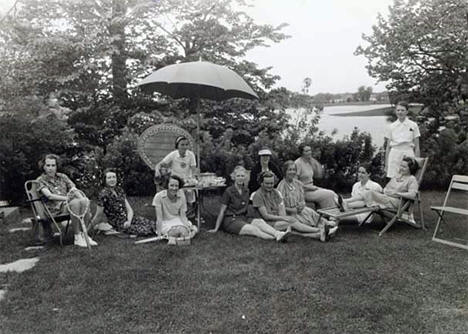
column 375, row 125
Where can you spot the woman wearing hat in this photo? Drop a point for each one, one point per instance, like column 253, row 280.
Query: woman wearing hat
column 265, row 164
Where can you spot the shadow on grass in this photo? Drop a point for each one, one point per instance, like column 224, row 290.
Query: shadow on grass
column 358, row 283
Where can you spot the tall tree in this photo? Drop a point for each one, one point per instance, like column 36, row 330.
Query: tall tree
column 421, row 48
column 421, row 51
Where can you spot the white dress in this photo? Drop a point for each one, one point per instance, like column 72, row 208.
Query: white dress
column 401, row 136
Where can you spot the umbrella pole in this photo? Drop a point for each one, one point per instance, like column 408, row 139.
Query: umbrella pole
column 197, row 106
column 199, row 198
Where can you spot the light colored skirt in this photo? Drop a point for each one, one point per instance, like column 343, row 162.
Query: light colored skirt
column 394, row 159
column 308, row 216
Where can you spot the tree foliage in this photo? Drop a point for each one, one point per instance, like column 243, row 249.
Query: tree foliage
column 420, row 47
column 421, row 51
column 89, row 54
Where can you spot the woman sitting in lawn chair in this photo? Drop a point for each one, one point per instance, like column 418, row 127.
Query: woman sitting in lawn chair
column 363, row 185
column 233, row 215
column 62, row 198
column 171, row 208
column 404, row 184
column 113, row 202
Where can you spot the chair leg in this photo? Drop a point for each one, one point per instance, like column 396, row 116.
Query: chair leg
column 36, row 231
column 367, row 218
column 423, row 225
column 389, row 224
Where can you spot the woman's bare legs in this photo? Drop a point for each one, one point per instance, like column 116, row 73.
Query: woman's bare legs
column 323, row 198
column 250, row 229
column 354, row 202
column 300, row 227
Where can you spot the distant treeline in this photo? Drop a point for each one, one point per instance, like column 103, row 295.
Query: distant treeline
column 363, row 95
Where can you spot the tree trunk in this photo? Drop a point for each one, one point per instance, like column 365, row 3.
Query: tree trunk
column 119, row 55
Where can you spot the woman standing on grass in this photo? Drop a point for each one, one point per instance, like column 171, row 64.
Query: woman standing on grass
column 233, row 215
column 57, row 188
column 113, row 202
column 401, row 139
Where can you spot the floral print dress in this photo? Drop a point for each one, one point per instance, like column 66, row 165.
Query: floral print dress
column 113, row 203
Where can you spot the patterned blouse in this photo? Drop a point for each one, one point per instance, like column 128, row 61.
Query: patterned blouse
column 293, row 194
column 60, row 184
column 116, row 212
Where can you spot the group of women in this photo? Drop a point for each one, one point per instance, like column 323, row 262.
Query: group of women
column 170, row 203
column 251, row 205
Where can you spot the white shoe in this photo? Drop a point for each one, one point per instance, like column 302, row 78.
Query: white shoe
column 103, row 227
column 282, row 236
column 91, row 241
column 324, row 233
column 332, row 223
column 79, row 240
column 332, row 231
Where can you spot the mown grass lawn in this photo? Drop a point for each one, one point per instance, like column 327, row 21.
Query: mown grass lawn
column 358, row 283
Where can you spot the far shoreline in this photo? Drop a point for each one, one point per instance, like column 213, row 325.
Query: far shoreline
column 384, row 111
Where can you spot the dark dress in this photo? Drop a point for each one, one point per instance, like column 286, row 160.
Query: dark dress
column 236, row 214
column 255, row 173
column 116, row 213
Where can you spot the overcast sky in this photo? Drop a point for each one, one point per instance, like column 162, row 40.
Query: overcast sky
column 324, row 35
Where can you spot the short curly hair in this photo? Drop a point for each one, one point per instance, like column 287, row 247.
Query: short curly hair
column 49, row 156
column 174, row 177
column 288, row 164
column 301, row 147
column 412, row 165
column 104, row 174
column 403, row 104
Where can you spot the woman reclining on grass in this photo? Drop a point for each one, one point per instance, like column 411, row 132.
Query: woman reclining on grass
column 113, row 202
column 171, row 208
column 233, row 215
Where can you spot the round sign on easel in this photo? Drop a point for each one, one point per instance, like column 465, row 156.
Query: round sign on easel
column 159, row 140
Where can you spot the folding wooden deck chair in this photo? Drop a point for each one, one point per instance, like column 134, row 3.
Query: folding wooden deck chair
column 458, row 183
column 406, row 206
column 42, row 214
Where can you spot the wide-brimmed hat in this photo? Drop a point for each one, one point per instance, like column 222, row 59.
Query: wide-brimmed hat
column 264, row 151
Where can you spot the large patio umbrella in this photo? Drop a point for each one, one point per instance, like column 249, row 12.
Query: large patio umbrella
column 199, row 79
